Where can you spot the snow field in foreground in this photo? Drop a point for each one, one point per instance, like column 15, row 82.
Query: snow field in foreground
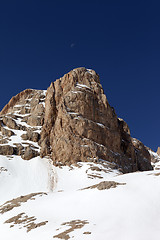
column 127, row 212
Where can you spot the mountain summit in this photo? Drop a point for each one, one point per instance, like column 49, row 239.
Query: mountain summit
column 78, row 125
column 63, row 153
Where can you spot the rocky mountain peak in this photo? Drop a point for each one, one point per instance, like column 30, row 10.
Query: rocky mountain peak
column 80, row 125
column 71, row 122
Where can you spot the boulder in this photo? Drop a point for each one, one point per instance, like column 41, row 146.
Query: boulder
column 19, row 149
column 10, row 123
column 30, row 135
column 7, row 132
column 6, row 150
column 34, row 120
column 29, row 153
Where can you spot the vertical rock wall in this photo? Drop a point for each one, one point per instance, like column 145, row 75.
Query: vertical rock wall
column 80, row 125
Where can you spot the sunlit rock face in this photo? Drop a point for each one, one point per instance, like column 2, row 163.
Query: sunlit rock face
column 158, row 151
column 20, row 124
column 80, row 125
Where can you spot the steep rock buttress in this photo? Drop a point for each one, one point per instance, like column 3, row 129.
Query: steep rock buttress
column 80, row 125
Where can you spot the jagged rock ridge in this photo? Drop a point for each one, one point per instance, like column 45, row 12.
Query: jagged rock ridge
column 76, row 123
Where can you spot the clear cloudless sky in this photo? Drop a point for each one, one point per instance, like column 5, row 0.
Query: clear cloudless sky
column 41, row 40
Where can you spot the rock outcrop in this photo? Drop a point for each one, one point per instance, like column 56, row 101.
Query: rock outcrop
column 20, row 124
column 158, row 151
column 80, row 125
column 72, row 122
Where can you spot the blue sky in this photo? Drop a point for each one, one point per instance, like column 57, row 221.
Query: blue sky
column 41, row 40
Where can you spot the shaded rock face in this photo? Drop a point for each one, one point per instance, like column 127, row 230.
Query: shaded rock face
column 80, row 125
column 20, row 124
column 142, row 155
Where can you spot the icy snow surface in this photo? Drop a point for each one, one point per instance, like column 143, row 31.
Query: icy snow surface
column 127, row 212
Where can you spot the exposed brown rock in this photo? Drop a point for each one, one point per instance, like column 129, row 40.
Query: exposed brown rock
column 7, row 132
column 34, row 120
column 16, row 202
column 87, row 233
column 6, row 150
column 123, row 126
column 14, row 100
column 158, row 151
column 49, row 120
column 25, row 136
column 19, row 149
column 104, row 185
column 3, row 141
column 142, row 154
column 24, row 111
column 80, row 125
column 30, row 135
column 79, row 118
column 74, row 224
column 25, row 221
column 10, row 123
column 29, row 101
column 1, row 124
column 29, row 153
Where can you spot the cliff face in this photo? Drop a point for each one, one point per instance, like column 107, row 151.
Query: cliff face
column 72, row 122
column 80, row 125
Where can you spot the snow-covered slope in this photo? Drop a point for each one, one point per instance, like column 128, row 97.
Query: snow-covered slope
column 71, row 209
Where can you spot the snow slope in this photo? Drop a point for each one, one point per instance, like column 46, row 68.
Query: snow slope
column 130, row 211
column 19, row 177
